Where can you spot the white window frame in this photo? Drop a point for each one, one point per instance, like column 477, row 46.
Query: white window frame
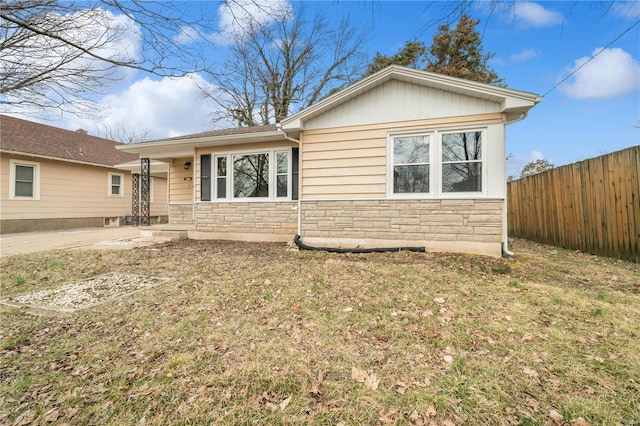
column 12, row 179
column 230, row 178
column 110, row 185
column 435, row 163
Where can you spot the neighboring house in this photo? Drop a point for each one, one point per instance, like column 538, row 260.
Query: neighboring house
column 52, row 178
column 400, row 158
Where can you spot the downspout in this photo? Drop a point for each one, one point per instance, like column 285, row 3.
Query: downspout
column 193, row 187
column 505, row 230
column 298, row 207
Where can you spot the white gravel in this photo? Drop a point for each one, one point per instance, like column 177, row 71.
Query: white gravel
column 84, row 294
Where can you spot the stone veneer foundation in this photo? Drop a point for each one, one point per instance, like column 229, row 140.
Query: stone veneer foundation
column 472, row 226
column 181, row 214
column 247, row 221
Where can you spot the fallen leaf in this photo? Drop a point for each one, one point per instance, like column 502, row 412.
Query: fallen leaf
column 415, row 418
column 579, row 422
column 527, row 337
column 372, row 382
column 401, row 387
column 284, row 403
column 72, row 412
column 431, row 411
column 358, row 374
column 439, row 300
column 51, row 416
column 555, row 417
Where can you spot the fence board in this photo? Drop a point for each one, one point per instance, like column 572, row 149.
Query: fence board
column 592, row 205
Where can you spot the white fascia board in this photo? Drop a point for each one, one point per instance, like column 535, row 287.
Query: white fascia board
column 157, row 167
column 185, row 147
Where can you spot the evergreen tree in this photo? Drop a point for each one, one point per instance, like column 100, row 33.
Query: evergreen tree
column 458, row 53
column 412, row 55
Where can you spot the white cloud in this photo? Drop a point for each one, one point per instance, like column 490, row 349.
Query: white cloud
column 238, row 16
column 535, row 15
column 188, row 35
column 613, row 72
column 524, row 55
column 165, row 108
column 626, row 9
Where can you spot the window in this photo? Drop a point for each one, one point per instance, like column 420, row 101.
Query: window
column 251, row 176
column 282, row 174
column 25, row 182
column 411, row 164
column 116, row 181
column 436, row 164
column 221, row 177
column 264, row 175
column 462, row 162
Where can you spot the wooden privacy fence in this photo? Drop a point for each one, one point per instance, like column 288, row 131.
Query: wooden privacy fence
column 592, row 206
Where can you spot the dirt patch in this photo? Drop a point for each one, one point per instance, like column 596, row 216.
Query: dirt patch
column 76, row 296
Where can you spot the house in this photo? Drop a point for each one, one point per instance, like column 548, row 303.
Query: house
column 400, row 158
column 52, row 178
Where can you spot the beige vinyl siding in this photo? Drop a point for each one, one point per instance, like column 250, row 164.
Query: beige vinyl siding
column 159, row 205
column 350, row 162
column 400, row 101
column 180, row 187
column 67, row 190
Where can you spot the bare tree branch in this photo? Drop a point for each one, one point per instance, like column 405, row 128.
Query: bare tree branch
column 279, row 66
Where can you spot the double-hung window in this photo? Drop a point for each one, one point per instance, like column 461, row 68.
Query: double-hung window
column 24, row 178
column 462, row 162
column 411, row 164
column 116, row 182
column 263, row 175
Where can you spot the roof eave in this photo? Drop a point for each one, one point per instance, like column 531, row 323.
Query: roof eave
column 49, row 157
column 186, row 147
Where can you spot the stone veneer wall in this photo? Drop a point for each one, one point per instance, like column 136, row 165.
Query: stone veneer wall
column 254, row 221
column 448, row 225
column 181, row 213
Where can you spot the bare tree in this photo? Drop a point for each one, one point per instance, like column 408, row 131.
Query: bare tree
column 123, row 132
column 282, row 64
column 53, row 54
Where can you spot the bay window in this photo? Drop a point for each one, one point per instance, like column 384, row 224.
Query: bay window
column 265, row 175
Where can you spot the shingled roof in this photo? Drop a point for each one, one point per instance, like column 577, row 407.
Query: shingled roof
column 26, row 137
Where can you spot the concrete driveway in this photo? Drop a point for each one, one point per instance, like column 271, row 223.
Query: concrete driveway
column 90, row 238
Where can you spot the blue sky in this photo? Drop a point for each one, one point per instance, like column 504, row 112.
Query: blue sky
column 536, row 44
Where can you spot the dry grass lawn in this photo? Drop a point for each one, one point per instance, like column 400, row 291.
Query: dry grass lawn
column 255, row 334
